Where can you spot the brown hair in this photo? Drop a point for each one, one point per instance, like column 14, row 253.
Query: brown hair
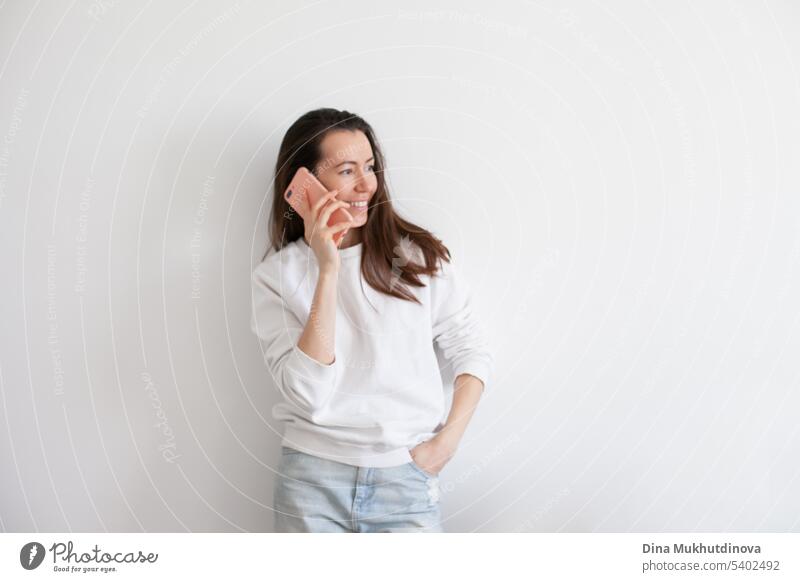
column 385, row 262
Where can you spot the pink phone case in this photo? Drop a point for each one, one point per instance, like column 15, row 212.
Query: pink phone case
column 304, row 191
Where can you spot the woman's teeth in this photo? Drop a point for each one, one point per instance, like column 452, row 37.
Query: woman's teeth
column 359, row 207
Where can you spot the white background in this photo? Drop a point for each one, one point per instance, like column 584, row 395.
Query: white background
column 619, row 181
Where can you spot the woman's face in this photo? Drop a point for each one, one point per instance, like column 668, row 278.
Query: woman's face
column 347, row 164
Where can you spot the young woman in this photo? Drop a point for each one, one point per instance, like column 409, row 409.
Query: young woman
column 348, row 334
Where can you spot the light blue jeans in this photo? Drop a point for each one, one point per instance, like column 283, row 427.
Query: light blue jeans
column 313, row 494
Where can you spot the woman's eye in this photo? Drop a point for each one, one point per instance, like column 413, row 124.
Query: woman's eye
column 348, row 171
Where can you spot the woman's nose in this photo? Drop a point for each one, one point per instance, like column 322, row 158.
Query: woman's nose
column 360, row 182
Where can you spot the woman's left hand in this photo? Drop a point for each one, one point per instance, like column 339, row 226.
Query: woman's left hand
column 433, row 455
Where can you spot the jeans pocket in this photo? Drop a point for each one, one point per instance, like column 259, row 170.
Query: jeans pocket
column 422, row 471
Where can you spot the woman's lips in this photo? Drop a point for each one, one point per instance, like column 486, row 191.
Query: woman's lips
column 358, row 209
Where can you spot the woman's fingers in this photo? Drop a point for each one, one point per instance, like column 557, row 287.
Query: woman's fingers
column 322, row 201
column 328, row 210
column 321, row 227
column 347, row 214
column 340, row 226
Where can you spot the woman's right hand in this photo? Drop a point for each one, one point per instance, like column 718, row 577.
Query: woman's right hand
column 320, row 236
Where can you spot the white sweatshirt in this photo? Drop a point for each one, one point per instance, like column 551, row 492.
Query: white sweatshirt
column 383, row 394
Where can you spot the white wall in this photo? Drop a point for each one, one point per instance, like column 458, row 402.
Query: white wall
column 618, row 180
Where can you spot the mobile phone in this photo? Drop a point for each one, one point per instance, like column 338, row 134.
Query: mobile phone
column 304, row 192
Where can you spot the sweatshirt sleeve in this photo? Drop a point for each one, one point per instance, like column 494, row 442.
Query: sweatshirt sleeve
column 301, row 380
column 456, row 330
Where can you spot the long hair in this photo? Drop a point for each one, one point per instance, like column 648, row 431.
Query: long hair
column 387, row 238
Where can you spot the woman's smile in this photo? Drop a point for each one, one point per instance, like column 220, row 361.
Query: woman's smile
column 358, row 206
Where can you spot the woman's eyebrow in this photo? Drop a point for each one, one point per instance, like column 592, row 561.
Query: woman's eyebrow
column 352, row 162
